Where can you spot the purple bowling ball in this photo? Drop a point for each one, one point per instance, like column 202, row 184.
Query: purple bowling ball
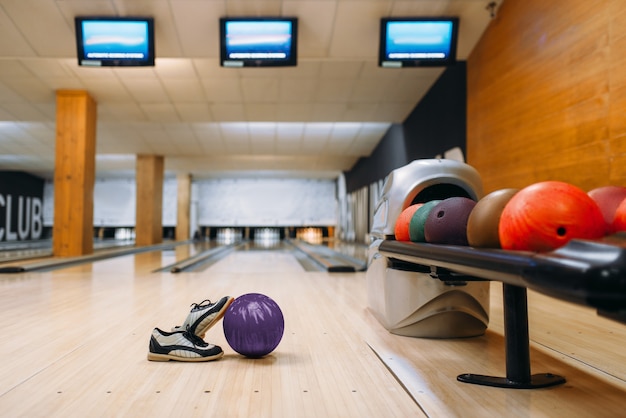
column 253, row 325
column 447, row 221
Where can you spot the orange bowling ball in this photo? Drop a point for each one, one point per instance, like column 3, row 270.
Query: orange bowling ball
column 482, row 225
column 401, row 229
column 547, row 215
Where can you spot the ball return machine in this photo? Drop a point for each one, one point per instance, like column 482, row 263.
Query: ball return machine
column 442, row 291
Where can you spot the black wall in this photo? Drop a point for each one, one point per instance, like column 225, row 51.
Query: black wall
column 437, row 124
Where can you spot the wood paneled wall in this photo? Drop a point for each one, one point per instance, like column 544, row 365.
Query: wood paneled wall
column 547, row 94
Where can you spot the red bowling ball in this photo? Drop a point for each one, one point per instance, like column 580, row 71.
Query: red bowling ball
column 619, row 221
column 447, row 221
column 608, row 199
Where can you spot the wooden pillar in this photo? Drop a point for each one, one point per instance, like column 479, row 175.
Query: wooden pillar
column 74, row 173
column 149, row 208
column 183, row 208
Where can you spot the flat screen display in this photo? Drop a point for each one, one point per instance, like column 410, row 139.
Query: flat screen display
column 115, row 41
column 417, row 42
column 258, row 42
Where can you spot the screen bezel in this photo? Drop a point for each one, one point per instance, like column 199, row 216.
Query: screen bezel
column 291, row 61
column 148, row 61
column 451, row 59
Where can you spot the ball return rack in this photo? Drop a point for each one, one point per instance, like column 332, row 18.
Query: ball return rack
column 589, row 273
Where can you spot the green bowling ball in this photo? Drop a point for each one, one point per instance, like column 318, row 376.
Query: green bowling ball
column 416, row 225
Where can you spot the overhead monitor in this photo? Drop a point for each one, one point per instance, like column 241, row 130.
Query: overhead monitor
column 258, row 42
column 418, row 41
column 115, row 41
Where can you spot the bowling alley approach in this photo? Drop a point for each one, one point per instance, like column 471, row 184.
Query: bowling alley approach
column 297, row 208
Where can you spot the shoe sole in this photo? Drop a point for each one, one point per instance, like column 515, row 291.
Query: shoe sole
column 168, row 357
column 203, row 328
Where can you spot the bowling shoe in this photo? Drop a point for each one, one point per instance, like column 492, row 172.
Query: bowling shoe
column 181, row 346
column 204, row 315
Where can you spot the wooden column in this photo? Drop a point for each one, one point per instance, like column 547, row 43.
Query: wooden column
column 149, row 208
column 74, row 173
column 183, row 208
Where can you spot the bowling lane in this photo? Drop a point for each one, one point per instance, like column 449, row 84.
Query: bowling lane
column 146, row 262
column 266, row 251
column 315, row 236
column 142, row 262
column 351, row 249
column 255, row 259
column 22, row 252
column 269, row 250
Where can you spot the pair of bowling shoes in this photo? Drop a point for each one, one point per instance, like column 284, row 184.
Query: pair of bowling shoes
column 186, row 342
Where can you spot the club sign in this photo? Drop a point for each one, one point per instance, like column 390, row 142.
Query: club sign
column 21, row 206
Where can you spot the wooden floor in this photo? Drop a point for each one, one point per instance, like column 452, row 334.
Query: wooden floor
column 75, row 344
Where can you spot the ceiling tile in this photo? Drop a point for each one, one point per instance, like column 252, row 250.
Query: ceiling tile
column 197, row 23
column 49, row 33
column 160, row 112
column 194, row 112
column 356, row 26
